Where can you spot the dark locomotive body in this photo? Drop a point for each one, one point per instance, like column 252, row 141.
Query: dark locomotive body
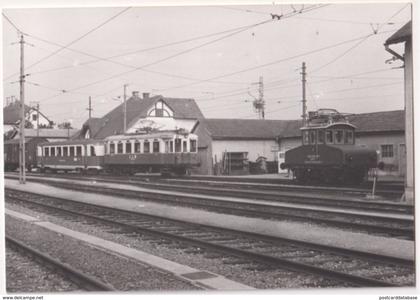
column 329, row 153
column 11, row 153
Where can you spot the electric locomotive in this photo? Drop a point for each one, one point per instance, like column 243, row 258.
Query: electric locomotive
column 328, row 152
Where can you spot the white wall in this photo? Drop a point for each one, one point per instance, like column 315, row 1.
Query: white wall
column 254, row 148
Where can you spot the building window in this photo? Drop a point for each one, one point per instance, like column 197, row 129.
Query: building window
column 92, row 151
column 34, row 117
column 387, row 150
column 146, row 147
column 159, row 112
column 156, row 147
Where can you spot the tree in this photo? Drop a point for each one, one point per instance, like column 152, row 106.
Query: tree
column 65, row 125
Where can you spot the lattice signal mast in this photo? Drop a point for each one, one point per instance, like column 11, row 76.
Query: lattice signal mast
column 259, row 103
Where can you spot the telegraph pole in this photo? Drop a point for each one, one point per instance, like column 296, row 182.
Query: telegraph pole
column 22, row 169
column 90, row 107
column 125, row 108
column 304, row 115
column 261, row 98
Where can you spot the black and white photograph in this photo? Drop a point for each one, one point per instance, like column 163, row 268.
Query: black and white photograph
column 201, row 148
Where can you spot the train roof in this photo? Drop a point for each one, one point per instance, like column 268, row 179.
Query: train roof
column 71, row 143
column 27, row 140
column 328, row 125
column 155, row 135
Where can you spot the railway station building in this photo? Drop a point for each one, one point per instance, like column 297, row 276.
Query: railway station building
column 240, row 146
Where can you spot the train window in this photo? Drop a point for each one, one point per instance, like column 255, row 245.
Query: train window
column 329, row 136
column 65, row 151
column 111, row 148
column 146, row 147
column 128, row 147
column 171, row 146
column 47, row 151
column 156, row 147
column 305, row 137
column 119, row 148
column 349, row 138
column 137, row 147
column 178, row 145
column 338, row 137
column 58, row 151
column 78, row 150
column 312, row 137
column 52, row 151
column 184, row 146
column 321, row 137
column 71, row 150
column 92, row 151
column 193, row 146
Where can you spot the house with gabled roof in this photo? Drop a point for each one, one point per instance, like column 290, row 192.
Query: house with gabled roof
column 151, row 113
column 12, row 116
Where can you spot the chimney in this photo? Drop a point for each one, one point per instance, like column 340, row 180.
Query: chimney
column 146, row 95
column 135, row 93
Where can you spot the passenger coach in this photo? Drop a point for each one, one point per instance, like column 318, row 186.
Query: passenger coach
column 164, row 152
column 76, row 155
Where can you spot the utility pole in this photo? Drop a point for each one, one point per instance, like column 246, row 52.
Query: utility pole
column 304, row 115
column 90, row 107
column 22, row 169
column 125, row 108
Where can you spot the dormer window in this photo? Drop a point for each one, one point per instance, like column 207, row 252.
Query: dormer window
column 160, row 110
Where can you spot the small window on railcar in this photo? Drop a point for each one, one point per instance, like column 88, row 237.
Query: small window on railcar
column 111, row 148
column 146, row 147
column 184, row 146
column 92, row 151
column 349, row 137
column 66, row 151
column 52, row 151
column 338, row 137
column 305, row 137
column 156, row 146
column 178, row 145
column 193, row 145
column 312, row 137
column 171, row 146
column 119, row 148
column 47, row 151
column 329, row 137
column 71, row 150
column 128, row 147
column 78, row 150
column 166, row 147
column 321, row 137
column 136, row 147
column 58, row 151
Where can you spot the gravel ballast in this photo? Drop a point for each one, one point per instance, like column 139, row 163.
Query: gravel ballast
column 122, row 273
column 248, row 274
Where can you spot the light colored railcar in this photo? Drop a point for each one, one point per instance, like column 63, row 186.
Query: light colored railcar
column 71, row 155
column 162, row 152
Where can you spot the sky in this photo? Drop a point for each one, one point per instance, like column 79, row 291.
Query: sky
column 213, row 54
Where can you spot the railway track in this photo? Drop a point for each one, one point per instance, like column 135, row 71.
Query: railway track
column 383, row 224
column 347, row 267
column 84, row 281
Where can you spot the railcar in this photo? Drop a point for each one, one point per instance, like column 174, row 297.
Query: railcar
column 11, row 153
column 71, row 155
column 164, row 152
column 328, row 152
